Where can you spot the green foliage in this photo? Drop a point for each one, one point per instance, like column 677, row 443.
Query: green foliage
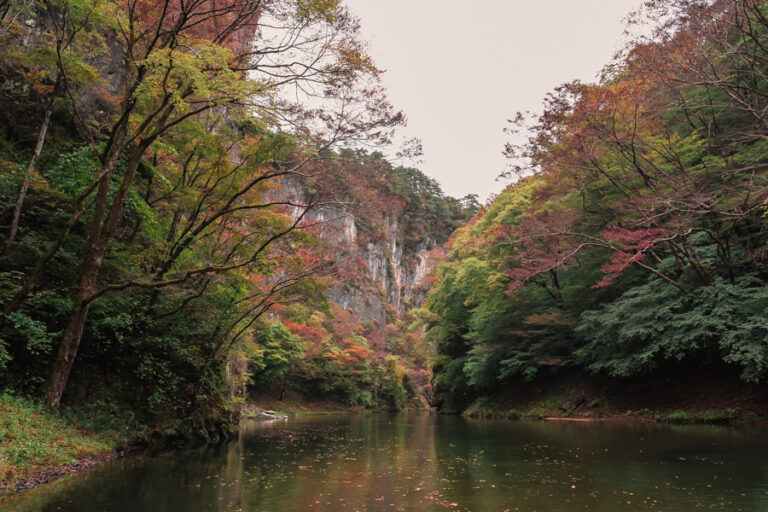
column 157, row 207
column 655, row 322
column 429, row 213
column 34, row 333
column 632, row 246
column 391, row 382
column 278, row 349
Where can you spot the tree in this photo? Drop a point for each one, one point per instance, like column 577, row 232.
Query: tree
column 279, row 351
column 181, row 66
column 633, row 236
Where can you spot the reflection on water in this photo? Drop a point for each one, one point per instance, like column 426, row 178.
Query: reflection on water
column 420, row 462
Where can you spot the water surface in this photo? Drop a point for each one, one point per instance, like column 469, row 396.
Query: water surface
column 420, row 462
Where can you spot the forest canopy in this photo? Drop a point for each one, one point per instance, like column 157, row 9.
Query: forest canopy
column 183, row 190
column 634, row 237
column 163, row 170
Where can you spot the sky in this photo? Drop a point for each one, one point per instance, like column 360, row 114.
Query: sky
column 460, row 69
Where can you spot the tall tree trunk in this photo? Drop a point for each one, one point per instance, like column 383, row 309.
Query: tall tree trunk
column 285, row 385
column 27, row 177
column 65, row 358
column 86, row 285
column 100, row 234
column 73, row 333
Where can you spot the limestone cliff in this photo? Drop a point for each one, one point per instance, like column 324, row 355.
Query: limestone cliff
column 388, row 274
column 389, row 278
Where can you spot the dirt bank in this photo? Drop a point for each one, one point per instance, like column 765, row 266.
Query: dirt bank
column 43, row 476
column 715, row 396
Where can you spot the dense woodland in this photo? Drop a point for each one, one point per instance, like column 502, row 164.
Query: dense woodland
column 167, row 173
column 633, row 241
column 162, row 164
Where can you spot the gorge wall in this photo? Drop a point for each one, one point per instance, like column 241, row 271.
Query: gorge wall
column 389, row 278
column 384, row 276
column 386, row 225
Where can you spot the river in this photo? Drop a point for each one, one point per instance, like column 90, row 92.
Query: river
column 421, row 462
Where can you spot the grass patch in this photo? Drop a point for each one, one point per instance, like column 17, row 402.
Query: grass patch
column 485, row 407
column 705, row 416
column 32, row 440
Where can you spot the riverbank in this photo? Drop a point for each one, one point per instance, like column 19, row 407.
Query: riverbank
column 297, row 404
column 424, row 462
column 294, row 406
column 712, row 397
column 37, row 447
column 302, row 407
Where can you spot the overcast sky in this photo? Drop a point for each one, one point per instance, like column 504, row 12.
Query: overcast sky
column 460, row 69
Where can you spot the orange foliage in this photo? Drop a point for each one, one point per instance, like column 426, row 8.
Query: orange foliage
column 307, row 333
column 351, row 354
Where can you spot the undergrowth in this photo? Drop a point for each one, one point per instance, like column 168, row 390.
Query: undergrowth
column 33, row 440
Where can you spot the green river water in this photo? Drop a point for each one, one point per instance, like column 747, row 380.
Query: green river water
column 421, row 462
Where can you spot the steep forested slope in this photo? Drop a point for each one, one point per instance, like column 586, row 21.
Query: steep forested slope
column 170, row 177
column 185, row 227
column 361, row 347
column 633, row 242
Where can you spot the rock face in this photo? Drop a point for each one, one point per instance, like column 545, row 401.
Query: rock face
column 390, row 279
column 388, row 275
